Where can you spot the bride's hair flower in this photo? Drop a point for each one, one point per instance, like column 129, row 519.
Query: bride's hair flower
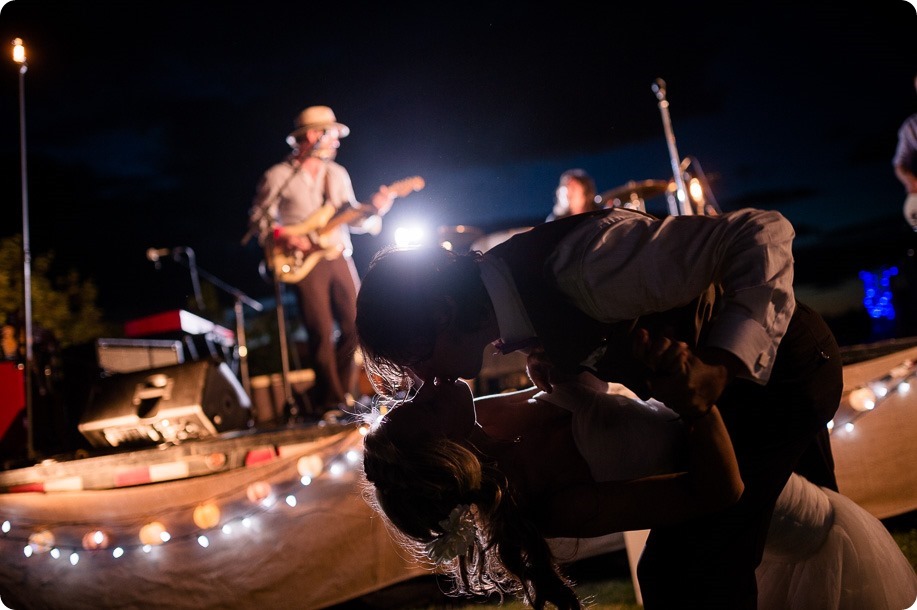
column 458, row 535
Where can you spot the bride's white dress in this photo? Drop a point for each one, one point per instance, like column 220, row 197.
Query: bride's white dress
column 824, row 552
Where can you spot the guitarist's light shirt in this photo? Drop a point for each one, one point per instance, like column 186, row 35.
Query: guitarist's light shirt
column 293, row 195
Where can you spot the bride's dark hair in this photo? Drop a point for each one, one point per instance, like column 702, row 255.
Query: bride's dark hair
column 417, row 485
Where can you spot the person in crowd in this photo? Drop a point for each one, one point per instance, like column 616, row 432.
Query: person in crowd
column 905, row 165
column 575, row 194
column 294, row 208
column 570, row 293
column 480, row 487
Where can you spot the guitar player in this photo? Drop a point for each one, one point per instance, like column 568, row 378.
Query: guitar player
column 291, row 192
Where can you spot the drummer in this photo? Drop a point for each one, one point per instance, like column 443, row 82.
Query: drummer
column 575, row 194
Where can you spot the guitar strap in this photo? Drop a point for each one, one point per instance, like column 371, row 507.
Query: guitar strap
column 326, row 188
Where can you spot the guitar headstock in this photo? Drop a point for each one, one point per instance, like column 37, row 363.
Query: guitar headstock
column 405, row 187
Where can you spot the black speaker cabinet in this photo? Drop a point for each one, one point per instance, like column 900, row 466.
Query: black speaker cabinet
column 169, row 404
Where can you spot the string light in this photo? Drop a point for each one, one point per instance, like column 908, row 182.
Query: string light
column 870, row 395
column 260, row 495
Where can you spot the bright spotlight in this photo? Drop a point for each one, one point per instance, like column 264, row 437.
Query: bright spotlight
column 409, row 235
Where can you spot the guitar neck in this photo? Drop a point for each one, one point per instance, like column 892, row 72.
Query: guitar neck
column 347, row 215
column 327, row 218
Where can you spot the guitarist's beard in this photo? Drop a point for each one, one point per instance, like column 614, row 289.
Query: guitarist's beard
column 325, row 154
column 298, row 156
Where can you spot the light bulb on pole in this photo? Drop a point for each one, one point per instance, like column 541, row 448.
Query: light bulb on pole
column 19, row 51
column 19, row 56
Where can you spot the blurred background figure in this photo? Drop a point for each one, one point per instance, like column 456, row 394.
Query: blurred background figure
column 905, row 164
column 575, row 194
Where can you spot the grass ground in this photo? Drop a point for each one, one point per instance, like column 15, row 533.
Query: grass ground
column 603, row 582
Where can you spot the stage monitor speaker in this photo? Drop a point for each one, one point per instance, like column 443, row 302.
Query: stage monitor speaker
column 129, row 355
column 169, row 404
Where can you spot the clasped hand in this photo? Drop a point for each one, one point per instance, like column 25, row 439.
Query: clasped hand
column 678, row 377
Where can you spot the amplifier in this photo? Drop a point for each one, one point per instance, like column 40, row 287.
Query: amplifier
column 169, row 404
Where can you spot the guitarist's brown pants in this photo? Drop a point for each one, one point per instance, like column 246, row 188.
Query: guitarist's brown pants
column 327, row 303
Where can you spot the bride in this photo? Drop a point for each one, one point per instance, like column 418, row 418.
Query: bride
column 477, row 486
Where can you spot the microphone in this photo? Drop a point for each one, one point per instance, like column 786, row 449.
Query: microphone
column 658, row 88
column 154, row 254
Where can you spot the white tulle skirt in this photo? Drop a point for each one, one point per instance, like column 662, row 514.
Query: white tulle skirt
column 824, row 552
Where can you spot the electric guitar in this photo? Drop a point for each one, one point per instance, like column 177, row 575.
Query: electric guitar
column 293, row 253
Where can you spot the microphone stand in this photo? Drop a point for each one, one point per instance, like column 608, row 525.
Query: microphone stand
column 255, row 223
column 240, row 298
column 682, row 207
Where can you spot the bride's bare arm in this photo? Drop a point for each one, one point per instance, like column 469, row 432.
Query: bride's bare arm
column 711, row 483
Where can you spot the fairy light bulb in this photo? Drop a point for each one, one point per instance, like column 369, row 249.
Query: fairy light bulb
column 154, row 533
column 206, row 516
column 259, row 491
column 96, row 539
column 41, row 541
column 862, row 399
column 310, row 466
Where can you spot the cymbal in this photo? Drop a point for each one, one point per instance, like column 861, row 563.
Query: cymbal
column 643, row 190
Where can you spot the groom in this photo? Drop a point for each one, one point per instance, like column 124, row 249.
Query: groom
column 571, row 294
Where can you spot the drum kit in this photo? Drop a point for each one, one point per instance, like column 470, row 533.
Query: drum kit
column 633, row 194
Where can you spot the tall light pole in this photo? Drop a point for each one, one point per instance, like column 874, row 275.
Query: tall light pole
column 20, row 58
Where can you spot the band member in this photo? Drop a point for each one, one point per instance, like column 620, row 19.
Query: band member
column 295, row 201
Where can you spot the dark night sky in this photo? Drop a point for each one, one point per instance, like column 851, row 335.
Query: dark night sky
column 149, row 124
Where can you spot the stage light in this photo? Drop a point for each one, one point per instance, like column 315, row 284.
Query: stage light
column 409, row 235
column 697, row 192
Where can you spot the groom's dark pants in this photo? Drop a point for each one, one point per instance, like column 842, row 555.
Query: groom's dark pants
column 775, row 429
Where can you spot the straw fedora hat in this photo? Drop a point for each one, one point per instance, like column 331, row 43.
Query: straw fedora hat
column 316, row 117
